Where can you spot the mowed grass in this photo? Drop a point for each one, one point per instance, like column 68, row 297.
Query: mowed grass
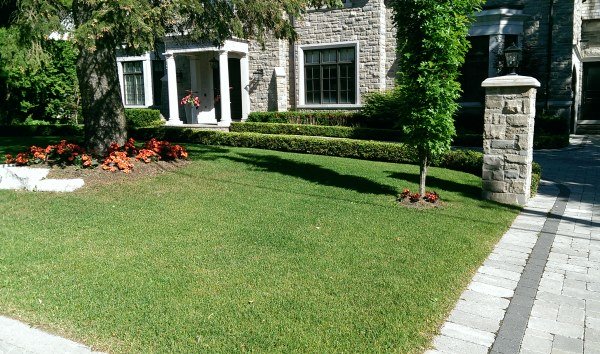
column 246, row 250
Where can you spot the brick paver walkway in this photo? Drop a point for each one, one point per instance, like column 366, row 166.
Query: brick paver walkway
column 539, row 290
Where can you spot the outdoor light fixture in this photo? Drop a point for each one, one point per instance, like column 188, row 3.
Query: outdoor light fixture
column 513, row 58
column 259, row 73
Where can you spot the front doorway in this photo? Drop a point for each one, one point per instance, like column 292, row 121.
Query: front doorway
column 235, row 89
column 591, row 91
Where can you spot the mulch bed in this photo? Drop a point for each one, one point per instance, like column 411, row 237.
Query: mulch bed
column 98, row 177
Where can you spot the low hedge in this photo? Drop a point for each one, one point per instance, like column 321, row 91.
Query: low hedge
column 553, row 141
column 333, row 118
column 41, row 130
column 143, row 117
column 318, row 130
column 461, row 160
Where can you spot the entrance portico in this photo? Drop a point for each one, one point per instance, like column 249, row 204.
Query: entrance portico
column 210, row 80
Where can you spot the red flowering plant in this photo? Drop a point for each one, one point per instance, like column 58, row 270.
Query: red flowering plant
column 431, row 197
column 117, row 161
column 190, row 99
column 62, row 154
column 165, row 150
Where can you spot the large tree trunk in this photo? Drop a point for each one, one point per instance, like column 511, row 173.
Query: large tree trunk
column 101, row 105
column 422, row 174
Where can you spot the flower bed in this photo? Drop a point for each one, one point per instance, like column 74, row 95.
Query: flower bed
column 117, row 158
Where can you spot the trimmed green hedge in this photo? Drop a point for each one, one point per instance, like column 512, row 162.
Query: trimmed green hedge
column 42, row 130
column 318, row 130
column 461, row 160
column 333, row 118
column 142, row 117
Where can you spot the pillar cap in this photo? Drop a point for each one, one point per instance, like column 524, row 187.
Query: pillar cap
column 511, row 81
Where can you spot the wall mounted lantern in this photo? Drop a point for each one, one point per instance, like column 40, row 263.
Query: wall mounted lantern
column 513, row 55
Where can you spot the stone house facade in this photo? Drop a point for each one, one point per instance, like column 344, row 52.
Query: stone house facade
column 343, row 54
column 560, row 40
column 339, row 57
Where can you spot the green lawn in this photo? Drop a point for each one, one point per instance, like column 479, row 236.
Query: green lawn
column 246, row 250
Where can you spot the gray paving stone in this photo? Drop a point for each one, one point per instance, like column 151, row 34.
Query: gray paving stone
column 481, row 310
column 491, row 290
column 557, row 328
column 452, row 345
column 477, row 322
column 570, row 314
column 496, row 281
column 536, row 344
column 561, row 299
column 492, row 301
column 468, row 334
column 511, row 275
column 568, row 345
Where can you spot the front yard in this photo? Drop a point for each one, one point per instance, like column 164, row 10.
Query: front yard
column 246, row 250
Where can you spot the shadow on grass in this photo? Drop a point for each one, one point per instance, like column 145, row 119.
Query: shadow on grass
column 13, row 145
column 434, row 183
column 313, row 173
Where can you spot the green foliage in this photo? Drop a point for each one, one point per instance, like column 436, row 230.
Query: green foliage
column 385, row 109
column 332, row 118
column 47, row 92
column 143, row 117
column 41, row 130
column 432, row 43
column 318, row 130
column 461, row 160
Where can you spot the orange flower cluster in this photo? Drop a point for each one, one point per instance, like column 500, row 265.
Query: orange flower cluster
column 165, row 150
column 22, row 159
column 147, row 156
column 62, row 154
column 119, row 157
column 117, row 160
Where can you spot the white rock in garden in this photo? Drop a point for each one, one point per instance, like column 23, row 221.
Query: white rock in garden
column 34, row 179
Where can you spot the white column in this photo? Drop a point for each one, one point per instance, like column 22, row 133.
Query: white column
column 225, row 98
column 173, row 97
column 245, row 73
column 194, row 86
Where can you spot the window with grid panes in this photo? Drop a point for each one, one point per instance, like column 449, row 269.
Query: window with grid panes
column 330, row 76
column 133, row 77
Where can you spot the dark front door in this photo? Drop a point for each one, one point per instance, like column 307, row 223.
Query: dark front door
column 235, row 88
column 591, row 91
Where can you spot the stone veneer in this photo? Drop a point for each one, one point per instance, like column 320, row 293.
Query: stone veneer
column 508, row 138
column 366, row 22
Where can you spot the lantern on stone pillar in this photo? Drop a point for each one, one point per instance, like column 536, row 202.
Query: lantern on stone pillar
column 513, row 56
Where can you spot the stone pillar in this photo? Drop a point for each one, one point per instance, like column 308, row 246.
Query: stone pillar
column 282, row 91
column 172, row 84
column 508, row 138
column 225, row 97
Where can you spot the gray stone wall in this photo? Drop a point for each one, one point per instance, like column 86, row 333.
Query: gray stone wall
column 363, row 22
column 263, row 83
column 367, row 22
column 591, row 10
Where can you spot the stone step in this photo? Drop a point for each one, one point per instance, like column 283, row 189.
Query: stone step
column 588, row 128
column 34, row 179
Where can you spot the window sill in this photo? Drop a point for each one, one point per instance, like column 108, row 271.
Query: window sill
column 330, row 106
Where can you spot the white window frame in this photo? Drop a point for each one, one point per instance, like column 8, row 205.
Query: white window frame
column 301, row 89
column 146, row 60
